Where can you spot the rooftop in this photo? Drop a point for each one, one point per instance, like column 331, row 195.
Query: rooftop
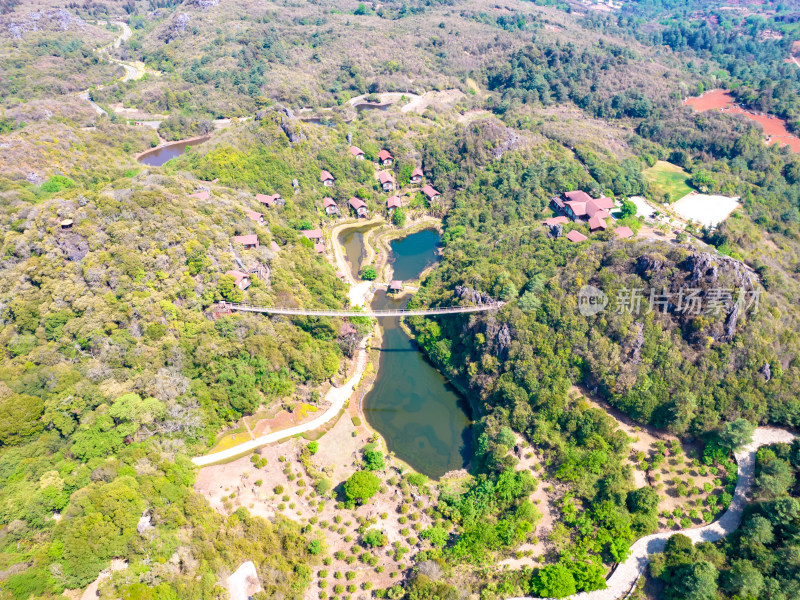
column 250, row 239
column 576, row 236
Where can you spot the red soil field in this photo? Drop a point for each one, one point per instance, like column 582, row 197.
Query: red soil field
column 775, row 130
column 709, row 100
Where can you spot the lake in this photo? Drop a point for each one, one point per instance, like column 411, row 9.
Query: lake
column 158, row 156
column 424, row 420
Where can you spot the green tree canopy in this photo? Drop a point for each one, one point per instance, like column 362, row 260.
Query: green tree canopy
column 361, row 486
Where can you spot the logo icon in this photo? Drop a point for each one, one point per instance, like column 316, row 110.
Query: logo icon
column 591, row 301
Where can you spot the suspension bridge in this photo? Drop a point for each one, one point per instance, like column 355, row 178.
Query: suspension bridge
column 400, row 312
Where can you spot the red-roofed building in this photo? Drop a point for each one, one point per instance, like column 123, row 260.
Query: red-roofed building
column 330, row 206
column 597, row 222
column 326, row 178
column 249, row 241
column 580, row 205
column 202, row 195
column 431, row 192
column 385, row 158
column 319, row 248
column 240, row 280
column 255, row 216
column 274, row 246
column 358, row 206
column 269, row 201
column 387, row 181
column 623, row 232
column 577, row 196
column 576, row 236
column 559, row 220
column 315, row 235
column 393, row 202
column 357, row 152
column 396, row 285
column 416, row 175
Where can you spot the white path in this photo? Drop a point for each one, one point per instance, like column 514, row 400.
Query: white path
column 336, row 396
column 624, row 577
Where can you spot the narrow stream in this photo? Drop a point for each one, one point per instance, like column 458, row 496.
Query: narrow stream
column 423, row 419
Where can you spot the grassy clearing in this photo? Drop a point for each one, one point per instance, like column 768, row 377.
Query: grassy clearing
column 668, row 179
column 231, row 439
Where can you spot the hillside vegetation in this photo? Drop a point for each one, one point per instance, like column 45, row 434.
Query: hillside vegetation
column 117, row 367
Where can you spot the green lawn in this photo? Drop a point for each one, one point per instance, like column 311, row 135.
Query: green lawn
column 667, row 178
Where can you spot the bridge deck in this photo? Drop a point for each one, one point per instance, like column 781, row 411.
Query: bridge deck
column 403, row 312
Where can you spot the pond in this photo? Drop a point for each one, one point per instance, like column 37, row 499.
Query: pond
column 159, row 156
column 361, row 106
column 352, row 240
column 422, row 417
column 413, row 254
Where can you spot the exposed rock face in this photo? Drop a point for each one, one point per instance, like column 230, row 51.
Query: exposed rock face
column 289, row 126
column 556, row 231
column 687, row 286
column 503, row 339
column 472, row 295
column 177, row 27
column 39, row 20
column 510, row 142
column 730, row 324
column 35, row 179
column 74, row 247
column 649, row 264
column 637, row 345
column 205, row 4
column 766, row 372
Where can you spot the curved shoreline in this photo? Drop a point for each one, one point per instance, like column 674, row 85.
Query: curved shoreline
column 625, row 576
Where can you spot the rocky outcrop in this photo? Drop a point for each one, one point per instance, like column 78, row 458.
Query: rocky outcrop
column 42, row 20
column 288, row 123
column 74, row 247
column 176, row 28
column 473, row 296
column 205, row 4
column 650, row 264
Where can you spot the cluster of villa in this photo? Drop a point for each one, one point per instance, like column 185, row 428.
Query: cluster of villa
column 580, row 207
column 388, row 183
column 357, row 207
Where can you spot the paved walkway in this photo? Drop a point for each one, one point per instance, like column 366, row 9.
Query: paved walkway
column 337, row 398
column 624, row 577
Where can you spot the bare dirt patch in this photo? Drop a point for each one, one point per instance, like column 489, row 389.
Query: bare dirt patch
column 284, row 487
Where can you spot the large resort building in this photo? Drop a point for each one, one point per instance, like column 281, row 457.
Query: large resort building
column 580, row 206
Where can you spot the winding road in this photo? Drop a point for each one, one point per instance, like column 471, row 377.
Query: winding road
column 624, row 578
column 133, row 71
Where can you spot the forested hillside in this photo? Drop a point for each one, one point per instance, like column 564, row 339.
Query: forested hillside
column 114, row 374
column 118, row 365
